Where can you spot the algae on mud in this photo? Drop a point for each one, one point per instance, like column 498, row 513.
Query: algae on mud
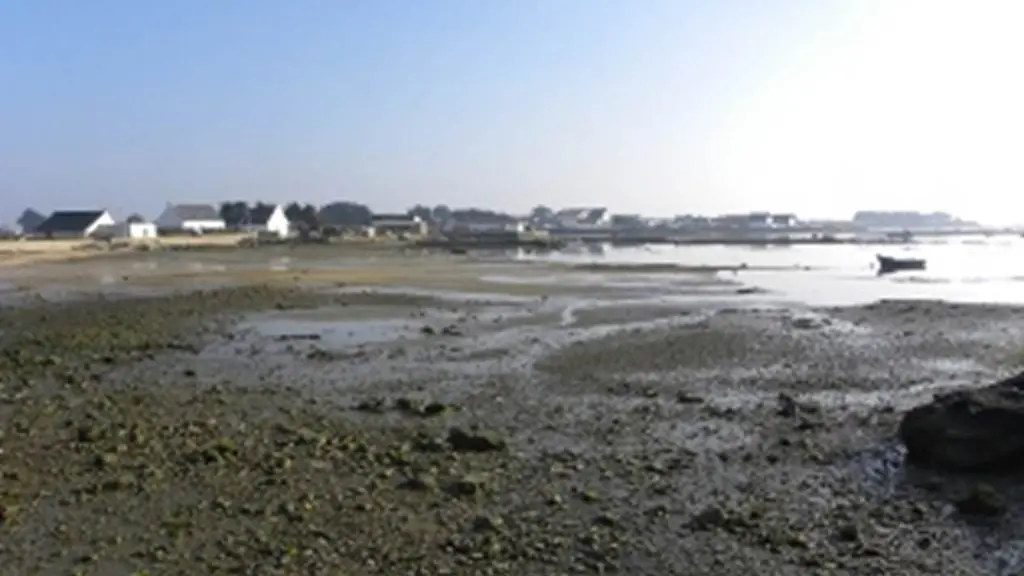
column 102, row 475
column 113, row 466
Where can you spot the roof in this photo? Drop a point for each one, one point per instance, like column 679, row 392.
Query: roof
column 582, row 214
column 196, row 212
column 260, row 215
column 69, row 221
column 30, row 219
column 396, row 217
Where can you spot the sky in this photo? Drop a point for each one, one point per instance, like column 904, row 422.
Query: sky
column 658, row 107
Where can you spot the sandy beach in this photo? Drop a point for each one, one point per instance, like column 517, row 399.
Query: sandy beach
column 14, row 253
column 298, row 412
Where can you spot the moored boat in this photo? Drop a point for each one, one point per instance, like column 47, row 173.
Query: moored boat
column 888, row 264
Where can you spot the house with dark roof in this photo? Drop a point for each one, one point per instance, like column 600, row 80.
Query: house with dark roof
column 73, row 223
column 29, row 221
column 262, row 218
column 193, row 218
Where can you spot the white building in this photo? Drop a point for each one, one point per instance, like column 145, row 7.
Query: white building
column 73, row 223
column 134, row 229
column 195, row 218
column 784, row 220
column 583, row 218
column 466, row 227
column 398, row 224
column 263, row 219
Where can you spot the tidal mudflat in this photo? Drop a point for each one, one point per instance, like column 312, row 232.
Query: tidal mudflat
column 414, row 417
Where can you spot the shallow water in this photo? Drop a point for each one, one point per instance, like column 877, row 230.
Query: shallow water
column 959, row 269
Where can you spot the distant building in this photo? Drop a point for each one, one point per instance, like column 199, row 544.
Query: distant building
column 73, row 223
column 472, row 227
column 784, row 220
column 751, row 220
column 398, row 224
column 29, row 221
column 133, row 227
column 582, row 218
column 263, row 218
column 626, row 221
column 907, row 220
column 689, row 221
column 755, row 221
column 194, row 218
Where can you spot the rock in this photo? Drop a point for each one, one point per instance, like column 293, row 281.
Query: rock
column 848, row 532
column 434, row 408
column 419, row 483
column 407, row 405
column 981, row 500
column 467, row 485
column 710, row 518
column 804, row 323
column 451, row 330
column 463, row 441
column 788, row 406
column 969, row 430
column 487, row 523
column 687, row 398
column 293, row 337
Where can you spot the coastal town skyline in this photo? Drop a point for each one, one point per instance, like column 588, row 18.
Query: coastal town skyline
column 234, row 214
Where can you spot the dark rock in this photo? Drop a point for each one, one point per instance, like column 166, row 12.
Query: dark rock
column 686, row 398
column 463, row 441
column 981, row 500
column 710, row 518
column 969, row 430
column 848, row 532
column 467, row 485
column 419, row 483
column 293, row 337
column 451, row 330
column 788, row 406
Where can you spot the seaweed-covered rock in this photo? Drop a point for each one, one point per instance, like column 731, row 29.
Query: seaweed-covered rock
column 969, row 430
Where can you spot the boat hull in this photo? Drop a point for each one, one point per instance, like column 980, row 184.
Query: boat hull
column 888, row 264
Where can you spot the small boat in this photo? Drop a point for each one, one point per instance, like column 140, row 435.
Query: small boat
column 888, row 264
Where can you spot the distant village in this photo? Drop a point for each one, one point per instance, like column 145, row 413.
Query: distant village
column 283, row 221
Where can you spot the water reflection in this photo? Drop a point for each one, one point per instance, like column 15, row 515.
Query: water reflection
column 959, row 269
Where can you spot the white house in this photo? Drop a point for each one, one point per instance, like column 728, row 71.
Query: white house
column 784, row 220
column 134, row 226
column 265, row 219
column 398, row 224
column 196, row 218
column 492, row 227
column 73, row 223
column 583, row 218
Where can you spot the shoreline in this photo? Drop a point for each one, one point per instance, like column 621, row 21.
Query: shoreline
column 21, row 253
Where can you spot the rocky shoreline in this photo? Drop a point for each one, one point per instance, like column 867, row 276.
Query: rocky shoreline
column 153, row 436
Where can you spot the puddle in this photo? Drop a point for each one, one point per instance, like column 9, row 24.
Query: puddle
column 452, row 296
column 333, row 334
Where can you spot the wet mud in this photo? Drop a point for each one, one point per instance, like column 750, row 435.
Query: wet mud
column 337, row 429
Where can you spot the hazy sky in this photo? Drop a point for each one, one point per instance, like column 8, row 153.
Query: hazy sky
column 652, row 106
